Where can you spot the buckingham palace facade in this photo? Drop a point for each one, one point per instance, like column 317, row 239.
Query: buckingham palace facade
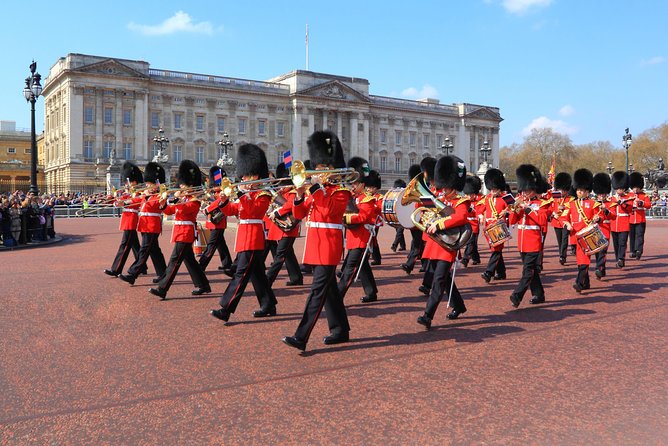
column 102, row 110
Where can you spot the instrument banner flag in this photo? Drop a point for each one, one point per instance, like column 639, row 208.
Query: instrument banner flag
column 509, row 199
column 287, row 159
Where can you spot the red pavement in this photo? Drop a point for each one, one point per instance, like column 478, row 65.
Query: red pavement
column 87, row 359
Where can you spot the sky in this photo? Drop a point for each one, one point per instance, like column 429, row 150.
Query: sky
column 587, row 69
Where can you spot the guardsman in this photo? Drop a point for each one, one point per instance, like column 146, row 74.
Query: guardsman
column 250, row 209
column 324, row 207
column 472, row 192
column 373, row 185
column 601, row 188
column 449, row 179
column 417, row 243
column 399, row 242
column 620, row 227
column 562, row 184
column 129, row 218
column 637, row 220
column 184, row 207
column 491, row 211
column 216, row 221
column 530, row 214
column 149, row 226
column 427, row 166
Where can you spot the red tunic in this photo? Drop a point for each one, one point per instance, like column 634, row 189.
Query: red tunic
column 606, row 219
column 459, row 217
column 250, row 209
column 581, row 214
column 286, row 209
column 624, row 208
column 491, row 209
column 529, row 225
column 150, row 215
column 324, row 207
column 185, row 219
column 641, row 202
column 557, row 221
column 474, row 208
column 222, row 224
column 130, row 214
column 357, row 236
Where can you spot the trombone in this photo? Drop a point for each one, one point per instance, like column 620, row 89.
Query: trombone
column 299, row 175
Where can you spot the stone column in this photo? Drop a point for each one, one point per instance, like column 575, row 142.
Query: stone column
column 364, row 153
column 354, row 136
column 324, row 119
column 339, row 124
column 298, row 152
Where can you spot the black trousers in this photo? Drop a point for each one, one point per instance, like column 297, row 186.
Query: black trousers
column 129, row 241
column 250, row 266
column 619, row 240
column 417, row 246
column 441, row 287
column 183, row 253
column 562, row 241
column 285, row 254
column 471, row 250
column 399, row 239
column 582, row 278
column 496, row 265
column 530, row 276
column 429, row 270
column 601, row 259
column 324, row 292
column 215, row 243
column 351, row 264
column 150, row 247
column 375, row 250
column 637, row 237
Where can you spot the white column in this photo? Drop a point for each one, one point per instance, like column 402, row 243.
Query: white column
column 339, row 124
column 365, row 138
column 324, row 119
column 298, row 152
column 354, row 135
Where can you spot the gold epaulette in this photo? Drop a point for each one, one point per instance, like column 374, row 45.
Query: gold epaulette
column 292, row 191
column 546, row 202
column 263, row 192
column 597, row 204
column 368, row 197
column 342, row 188
column 461, row 201
column 481, row 202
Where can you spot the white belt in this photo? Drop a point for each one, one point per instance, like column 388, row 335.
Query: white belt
column 134, row 211
column 149, row 214
column 622, row 215
column 606, row 221
column 321, row 225
column 181, row 223
column 529, row 227
column 472, row 218
column 251, row 221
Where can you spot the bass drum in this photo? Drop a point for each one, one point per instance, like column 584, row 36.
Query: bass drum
column 396, row 214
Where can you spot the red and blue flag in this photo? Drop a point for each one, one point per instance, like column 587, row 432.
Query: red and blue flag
column 287, row 159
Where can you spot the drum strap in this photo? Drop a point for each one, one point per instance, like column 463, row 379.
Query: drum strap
column 584, row 218
column 491, row 203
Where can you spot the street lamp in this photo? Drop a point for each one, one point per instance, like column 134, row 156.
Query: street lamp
column 224, row 158
column 631, row 169
column 31, row 92
column 161, row 140
column 610, row 168
column 485, row 150
column 627, row 140
column 447, row 146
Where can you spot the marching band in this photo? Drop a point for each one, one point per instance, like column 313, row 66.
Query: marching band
column 340, row 206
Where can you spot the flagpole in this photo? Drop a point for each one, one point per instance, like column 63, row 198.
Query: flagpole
column 307, row 47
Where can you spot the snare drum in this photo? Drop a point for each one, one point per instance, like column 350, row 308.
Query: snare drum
column 394, row 213
column 201, row 239
column 591, row 239
column 497, row 233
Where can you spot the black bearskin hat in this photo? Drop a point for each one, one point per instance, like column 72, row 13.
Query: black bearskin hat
column 494, row 180
column 251, row 160
column 427, row 165
column 154, row 173
column 374, row 179
column 130, row 172
column 528, row 178
column 213, row 171
column 450, row 172
column 543, row 186
column 602, row 184
column 400, row 183
column 563, row 181
column 620, row 180
column 636, row 180
column 324, row 147
column 473, row 185
column 282, row 171
column 361, row 166
column 414, row 171
column 189, row 174
column 583, row 179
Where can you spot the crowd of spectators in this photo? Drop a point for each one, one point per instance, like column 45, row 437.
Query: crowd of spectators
column 26, row 218
column 659, row 203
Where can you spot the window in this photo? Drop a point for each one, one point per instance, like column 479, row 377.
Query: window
column 127, row 151
column 108, row 115
column 383, row 136
column 397, row 137
column 199, row 123
column 412, row 160
column 11, row 149
column 425, row 140
column 27, row 151
column 88, row 115
column 397, row 164
column 127, row 117
column 439, row 141
column 88, row 149
column 178, row 121
column 199, row 154
column 279, row 157
column 383, row 163
column 261, row 127
column 280, row 129
column 242, row 126
column 221, row 125
column 155, row 120
column 178, row 153
column 411, row 138
column 106, row 151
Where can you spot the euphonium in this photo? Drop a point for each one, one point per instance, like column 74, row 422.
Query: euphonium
column 300, row 175
column 451, row 239
column 285, row 222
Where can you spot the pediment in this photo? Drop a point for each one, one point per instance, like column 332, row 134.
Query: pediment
column 484, row 113
column 111, row 67
column 334, row 90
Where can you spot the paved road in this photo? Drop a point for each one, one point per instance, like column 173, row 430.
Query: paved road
column 87, row 359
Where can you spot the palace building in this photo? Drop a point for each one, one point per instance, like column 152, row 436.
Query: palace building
column 104, row 110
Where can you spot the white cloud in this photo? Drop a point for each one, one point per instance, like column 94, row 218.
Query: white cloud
column 653, row 61
column 179, row 22
column 427, row 91
column 543, row 122
column 566, row 111
column 522, row 6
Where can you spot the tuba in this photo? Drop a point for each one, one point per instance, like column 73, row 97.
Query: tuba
column 285, row 222
column 451, row 239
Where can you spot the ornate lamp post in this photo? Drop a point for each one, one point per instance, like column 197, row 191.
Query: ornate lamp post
column 161, row 140
column 627, row 140
column 610, row 168
column 448, row 147
column 485, row 150
column 224, row 158
column 631, row 169
column 31, row 92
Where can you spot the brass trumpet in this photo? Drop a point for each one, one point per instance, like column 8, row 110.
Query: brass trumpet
column 299, row 175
